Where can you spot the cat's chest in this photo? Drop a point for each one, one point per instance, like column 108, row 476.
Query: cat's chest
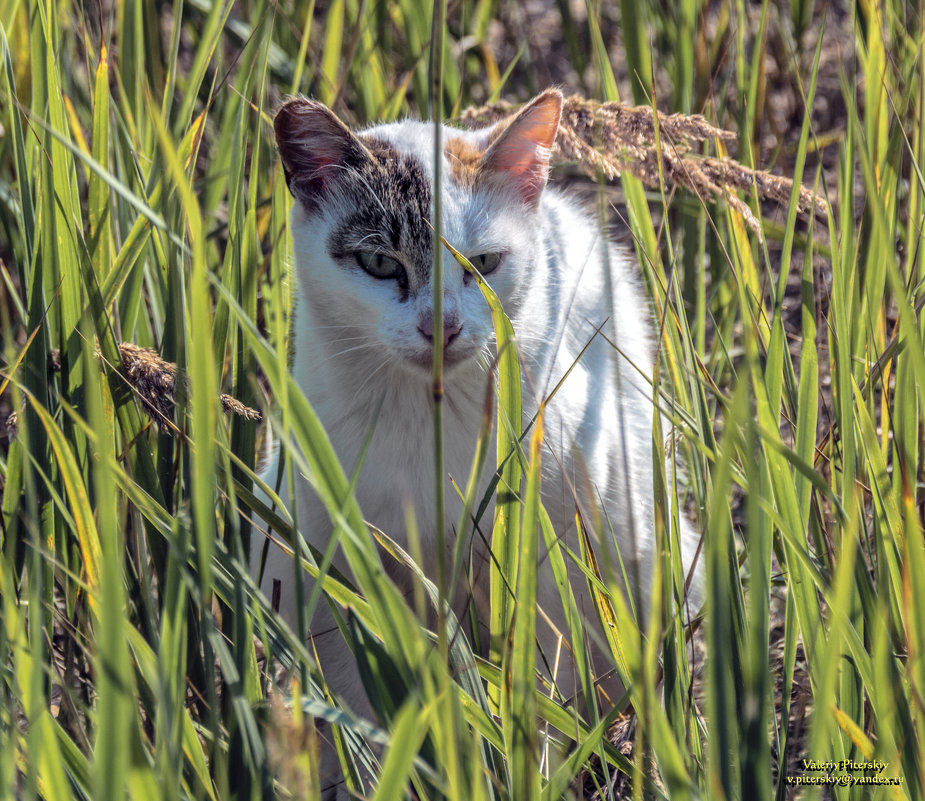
column 389, row 439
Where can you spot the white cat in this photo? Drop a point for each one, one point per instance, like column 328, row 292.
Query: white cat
column 363, row 338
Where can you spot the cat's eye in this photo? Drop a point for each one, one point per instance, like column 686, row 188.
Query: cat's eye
column 486, row 263
column 379, row 265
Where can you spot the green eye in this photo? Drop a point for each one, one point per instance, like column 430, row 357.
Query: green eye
column 379, row 265
column 486, row 263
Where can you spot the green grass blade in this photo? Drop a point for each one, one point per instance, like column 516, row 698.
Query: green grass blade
column 506, row 528
column 409, row 729
column 518, row 698
column 98, row 204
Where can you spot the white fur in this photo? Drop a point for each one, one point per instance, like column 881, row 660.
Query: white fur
column 357, row 346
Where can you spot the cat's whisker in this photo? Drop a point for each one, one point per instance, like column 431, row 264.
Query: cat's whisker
column 368, row 345
column 373, row 236
column 359, row 337
column 372, row 193
column 369, row 378
column 339, row 327
column 355, row 348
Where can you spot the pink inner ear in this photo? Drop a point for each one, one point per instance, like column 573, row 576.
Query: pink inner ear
column 520, row 156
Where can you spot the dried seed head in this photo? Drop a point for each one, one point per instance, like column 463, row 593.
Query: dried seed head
column 613, row 138
column 154, row 381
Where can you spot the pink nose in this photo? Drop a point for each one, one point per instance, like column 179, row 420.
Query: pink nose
column 451, row 328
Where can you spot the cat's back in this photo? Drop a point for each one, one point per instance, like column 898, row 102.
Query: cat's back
column 588, row 308
column 586, row 343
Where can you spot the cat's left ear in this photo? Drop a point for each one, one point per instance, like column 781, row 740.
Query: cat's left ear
column 315, row 148
column 519, row 157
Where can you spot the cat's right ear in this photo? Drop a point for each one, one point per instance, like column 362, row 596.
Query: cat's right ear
column 314, row 146
column 519, row 157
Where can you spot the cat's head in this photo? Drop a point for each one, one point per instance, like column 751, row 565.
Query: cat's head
column 362, row 225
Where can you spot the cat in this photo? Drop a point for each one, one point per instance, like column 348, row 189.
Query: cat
column 364, row 330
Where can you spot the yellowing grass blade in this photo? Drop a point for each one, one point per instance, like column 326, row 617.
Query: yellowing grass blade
column 79, row 502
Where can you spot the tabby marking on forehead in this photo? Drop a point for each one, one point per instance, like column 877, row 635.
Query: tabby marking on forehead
column 463, row 159
column 390, row 198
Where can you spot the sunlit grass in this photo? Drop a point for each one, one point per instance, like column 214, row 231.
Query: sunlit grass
column 141, row 200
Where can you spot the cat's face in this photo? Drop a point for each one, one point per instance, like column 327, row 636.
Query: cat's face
column 362, row 226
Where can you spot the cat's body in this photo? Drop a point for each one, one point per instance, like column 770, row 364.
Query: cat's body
column 364, row 329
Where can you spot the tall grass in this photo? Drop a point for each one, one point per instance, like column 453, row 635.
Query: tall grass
column 141, row 201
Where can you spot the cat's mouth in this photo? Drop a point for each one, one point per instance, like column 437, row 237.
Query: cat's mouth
column 423, row 360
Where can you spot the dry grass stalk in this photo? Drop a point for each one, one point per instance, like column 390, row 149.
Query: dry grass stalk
column 613, row 138
column 155, row 381
column 8, row 427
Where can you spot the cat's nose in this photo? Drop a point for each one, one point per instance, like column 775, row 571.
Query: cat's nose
column 451, row 328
